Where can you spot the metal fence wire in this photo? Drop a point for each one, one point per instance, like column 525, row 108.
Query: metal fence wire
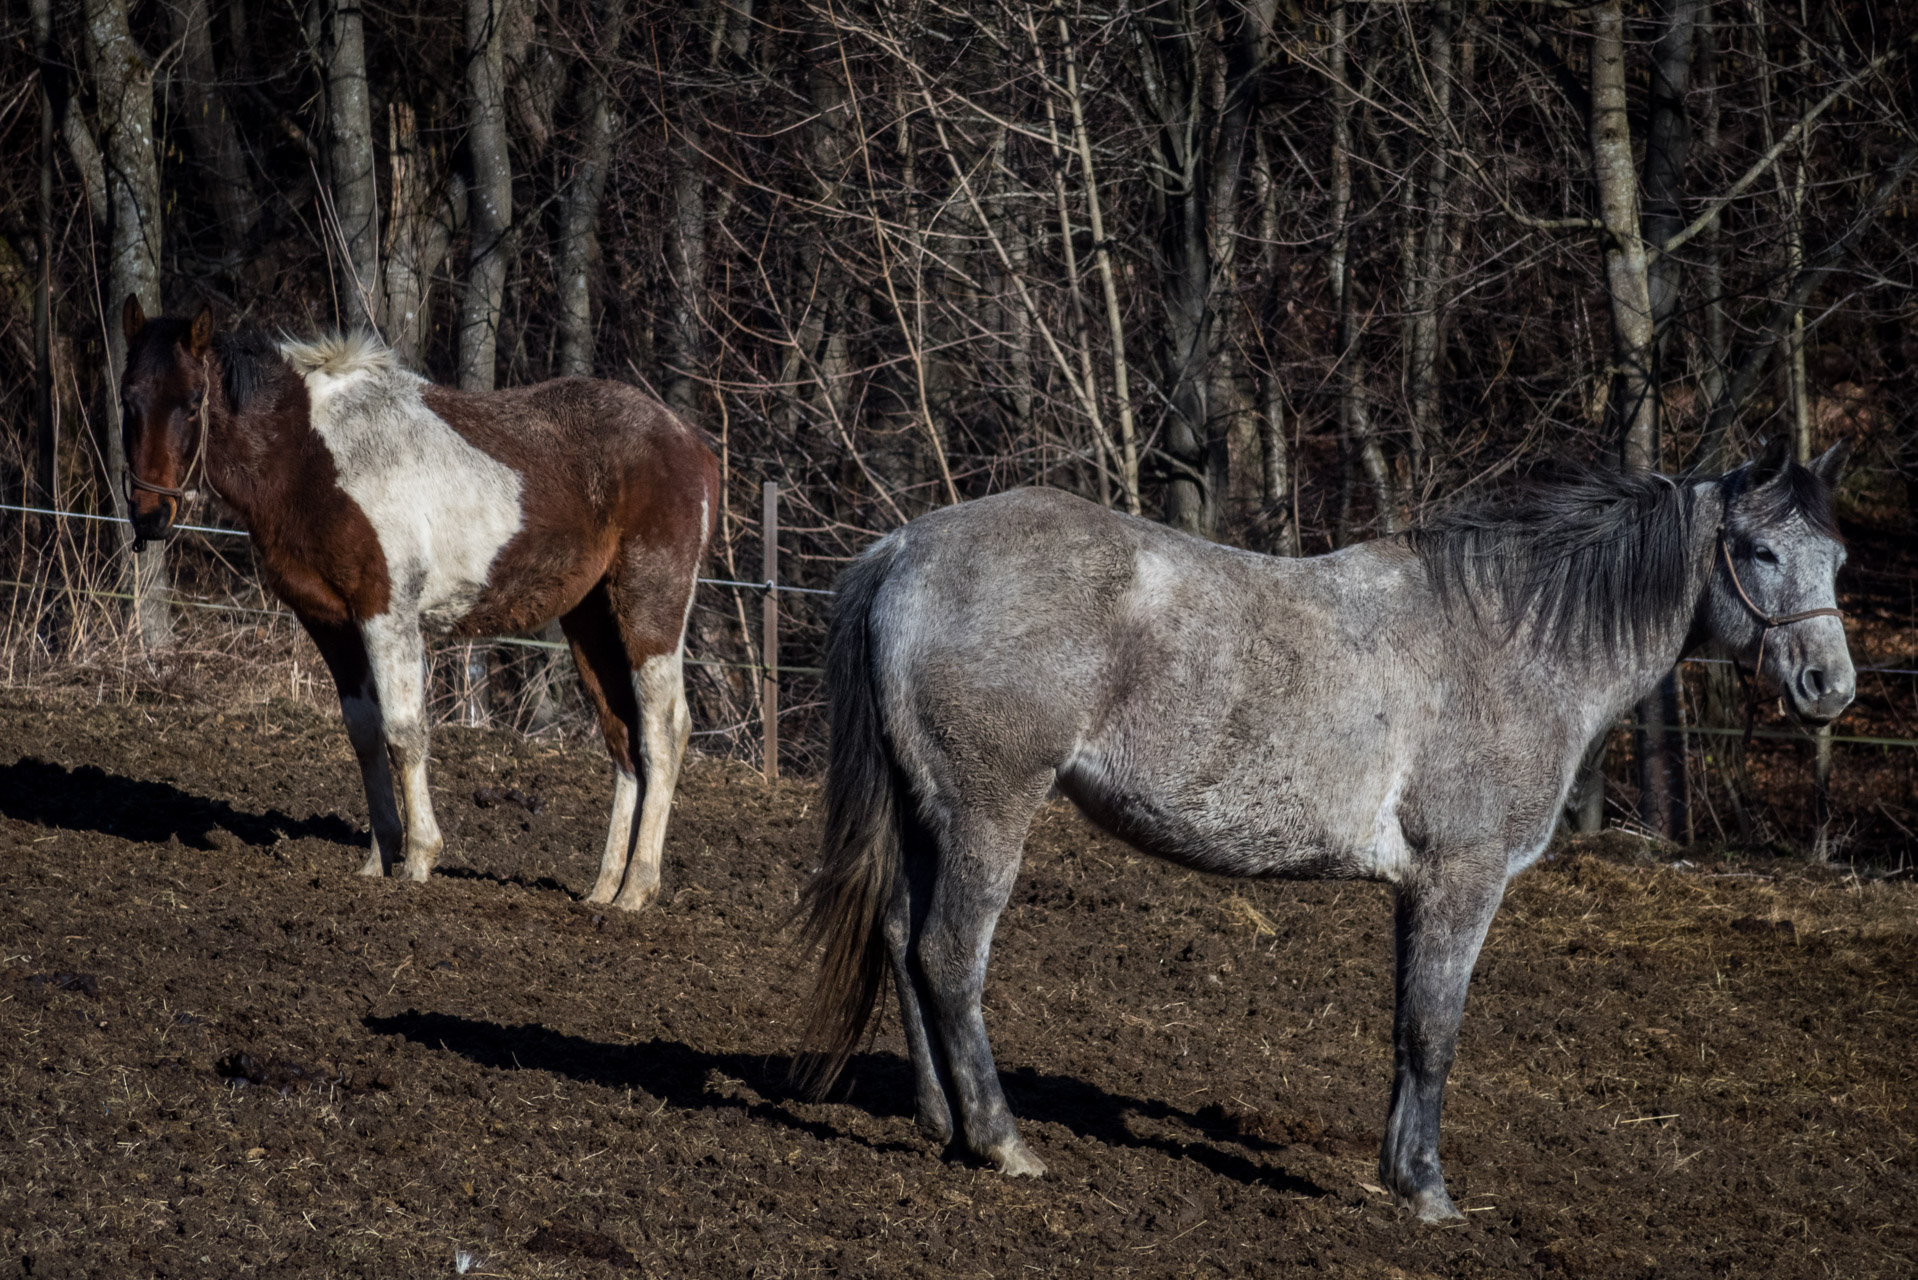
column 770, row 669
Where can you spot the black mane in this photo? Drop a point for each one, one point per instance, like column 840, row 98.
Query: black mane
column 1584, row 556
column 1589, row 557
column 251, row 359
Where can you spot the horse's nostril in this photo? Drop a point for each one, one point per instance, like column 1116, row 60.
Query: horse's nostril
column 1814, row 682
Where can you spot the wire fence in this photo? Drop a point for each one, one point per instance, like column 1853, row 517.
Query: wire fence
column 771, row 668
column 524, row 642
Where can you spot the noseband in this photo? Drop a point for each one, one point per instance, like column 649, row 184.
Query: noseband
column 1771, row 621
column 131, row 482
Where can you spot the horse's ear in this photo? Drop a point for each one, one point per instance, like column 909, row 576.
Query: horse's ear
column 132, row 319
column 1772, row 463
column 201, row 336
column 1830, row 465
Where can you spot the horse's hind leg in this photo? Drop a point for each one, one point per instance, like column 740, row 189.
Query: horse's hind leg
column 1442, row 916
column 901, row 924
column 608, row 681
column 650, row 607
column 345, row 655
column 665, row 725
column 978, row 862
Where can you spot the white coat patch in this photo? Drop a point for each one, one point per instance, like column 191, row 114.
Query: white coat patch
column 1391, row 857
column 440, row 507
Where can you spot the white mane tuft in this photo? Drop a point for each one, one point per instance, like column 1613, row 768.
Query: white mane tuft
column 339, row 355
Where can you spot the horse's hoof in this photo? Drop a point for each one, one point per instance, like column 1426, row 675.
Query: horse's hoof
column 1016, row 1160
column 636, row 899
column 373, row 866
column 418, row 872
column 1431, row 1205
column 935, row 1127
column 602, row 894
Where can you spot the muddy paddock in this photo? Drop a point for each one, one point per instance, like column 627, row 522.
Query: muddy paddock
column 226, row 1054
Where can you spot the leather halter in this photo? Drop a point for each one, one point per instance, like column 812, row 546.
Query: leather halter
column 1771, row 621
column 130, row 482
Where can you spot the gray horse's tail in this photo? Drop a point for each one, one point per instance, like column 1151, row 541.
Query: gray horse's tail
column 844, row 904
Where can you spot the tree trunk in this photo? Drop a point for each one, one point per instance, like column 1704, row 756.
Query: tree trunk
column 1616, row 178
column 46, row 438
column 1724, row 700
column 686, row 265
column 1275, row 471
column 1102, row 255
column 1355, row 422
column 422, row 215
column 489, row 200
column 1430, row 259
column 1171, row 72
column 579, row 205
column 1661, row 751
column 122, row 171
column 1200, row 139
column 350, row 166
column 216, row 142
column 1668, row 142
column 1713, row 456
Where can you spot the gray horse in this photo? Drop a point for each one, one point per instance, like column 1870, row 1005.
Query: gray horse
column 1410, row 710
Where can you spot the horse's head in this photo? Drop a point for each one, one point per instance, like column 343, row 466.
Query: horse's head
column 1773, row 600
column 163, row 413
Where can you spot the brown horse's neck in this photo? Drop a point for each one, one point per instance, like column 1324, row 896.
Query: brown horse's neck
column 251, row 444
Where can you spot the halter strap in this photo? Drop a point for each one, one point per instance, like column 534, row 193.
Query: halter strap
column 1771, row 621
column 130, row 482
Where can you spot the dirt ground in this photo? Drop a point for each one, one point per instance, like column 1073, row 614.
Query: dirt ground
column 226, row 1054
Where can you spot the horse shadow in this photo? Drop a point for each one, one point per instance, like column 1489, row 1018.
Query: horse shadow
column 90, row 799
column 542, row 884
column 691, row 1079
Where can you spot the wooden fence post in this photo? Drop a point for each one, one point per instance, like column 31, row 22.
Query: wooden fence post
column 769, row 629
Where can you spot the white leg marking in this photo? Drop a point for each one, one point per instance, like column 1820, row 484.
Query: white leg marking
column 363, row 729
column 664, row 726
column 619, row 837
column 397, row 656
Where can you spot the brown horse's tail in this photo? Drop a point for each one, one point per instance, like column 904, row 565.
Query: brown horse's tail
column 844, row 904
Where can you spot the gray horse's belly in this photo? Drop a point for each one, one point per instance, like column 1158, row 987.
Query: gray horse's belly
column 1274, row 832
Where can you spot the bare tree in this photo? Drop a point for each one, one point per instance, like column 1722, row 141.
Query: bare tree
column 579, row 205
column 1355, row 420
column 212, row 129
column 1203, row 110
column 121, row 169
column 489, row 198
column 46, row 452
column 353, row 177
column 425, row 207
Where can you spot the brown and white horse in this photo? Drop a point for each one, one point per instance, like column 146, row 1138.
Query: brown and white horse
column 382, row 507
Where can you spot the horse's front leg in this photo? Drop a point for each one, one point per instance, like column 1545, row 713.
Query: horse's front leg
column 397, row 655
column 345, row 655
column 1443, row 913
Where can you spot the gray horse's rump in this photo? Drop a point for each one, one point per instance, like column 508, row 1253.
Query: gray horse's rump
column 1410, row 710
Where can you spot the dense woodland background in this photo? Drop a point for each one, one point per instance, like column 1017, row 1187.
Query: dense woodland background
column 1282, row 274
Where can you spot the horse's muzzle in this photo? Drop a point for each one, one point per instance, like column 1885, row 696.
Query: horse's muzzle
column 152, row 525
column 1819, row 696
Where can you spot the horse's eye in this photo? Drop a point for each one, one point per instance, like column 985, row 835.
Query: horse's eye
column 1764, row 555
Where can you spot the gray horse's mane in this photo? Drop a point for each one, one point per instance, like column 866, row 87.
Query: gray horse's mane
column 1577, row 557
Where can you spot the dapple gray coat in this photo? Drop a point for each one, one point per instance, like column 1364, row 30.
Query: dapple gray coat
column 1410, row 710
